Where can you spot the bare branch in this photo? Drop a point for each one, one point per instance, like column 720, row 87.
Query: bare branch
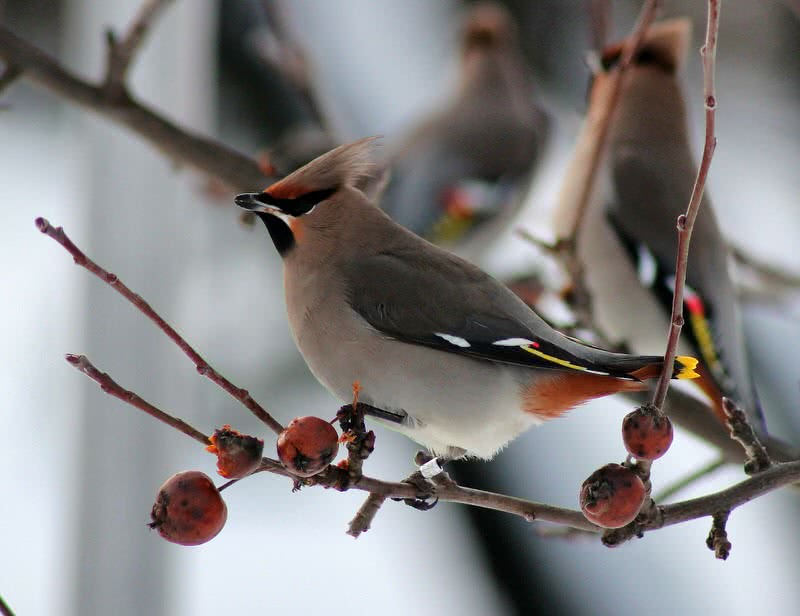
column 758, row 459
column 121, row 52
column 111, row 387
column 115, row 283
column 586, row 164
column 686, row 221
column 362, row 521
column 337, row 478
column 5, row 610
column 717, row 540
column 201, row 153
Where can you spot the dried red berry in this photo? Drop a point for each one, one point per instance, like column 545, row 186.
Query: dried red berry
column 238, row 454
column 647, row 433
column 612, row 496
column 189, row 509
column 307, row 445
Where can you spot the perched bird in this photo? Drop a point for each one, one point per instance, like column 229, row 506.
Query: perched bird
column 442, row 351
column 460, row 168
column 625, row 237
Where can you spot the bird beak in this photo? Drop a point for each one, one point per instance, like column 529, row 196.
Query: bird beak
column 249, row 201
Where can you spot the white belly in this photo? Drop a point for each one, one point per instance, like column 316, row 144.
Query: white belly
column 450, row 400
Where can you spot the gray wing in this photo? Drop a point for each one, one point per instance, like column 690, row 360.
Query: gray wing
column 447, row 304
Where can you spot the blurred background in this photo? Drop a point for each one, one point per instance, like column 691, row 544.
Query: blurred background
column 81, row 469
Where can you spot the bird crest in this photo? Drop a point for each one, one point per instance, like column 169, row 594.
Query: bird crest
column 342, row 166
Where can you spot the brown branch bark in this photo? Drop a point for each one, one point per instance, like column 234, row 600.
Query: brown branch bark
column 584, row 181
column 362, row 521
column 5, row 610
column 742, row 432
column 337, row 478
column 203, row 367
column 686, row 221
column 122, row 52
column 201, row 153
column 112, row 388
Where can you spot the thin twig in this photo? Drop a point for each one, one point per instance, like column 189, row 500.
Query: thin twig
column 360, row 441
column 584, row 168
column 5, row 610
column 242, row 395
column 578, row 189
column 111, row 387
column 686, row 221
column 362, row 521
column 120, row 53
column 206, row 155
column 717, row 540
column 742, row 432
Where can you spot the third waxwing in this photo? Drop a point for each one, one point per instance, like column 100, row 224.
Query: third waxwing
column 458, row 170
column 626, row 239
column 441, row 350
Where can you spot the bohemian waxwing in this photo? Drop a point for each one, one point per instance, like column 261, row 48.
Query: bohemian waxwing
column 441, row 350
column 459, row 169
column 626, row 238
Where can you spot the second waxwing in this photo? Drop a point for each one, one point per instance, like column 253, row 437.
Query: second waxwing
column 626, row 238
column 442, row 351
column 458, row 172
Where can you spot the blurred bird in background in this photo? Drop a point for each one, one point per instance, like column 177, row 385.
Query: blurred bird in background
column 625, row 236
column 267, row 70
column 455, row 177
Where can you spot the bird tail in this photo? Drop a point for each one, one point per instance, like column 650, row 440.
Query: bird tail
column 684, row 368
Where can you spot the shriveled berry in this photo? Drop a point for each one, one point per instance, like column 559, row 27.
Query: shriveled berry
column 647, row 433
column 307, row 445
column 238, row 454
column 612, row 496
column 189, row 509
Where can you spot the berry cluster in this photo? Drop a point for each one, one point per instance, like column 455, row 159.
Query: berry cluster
column 613, row 495
column 189, row 509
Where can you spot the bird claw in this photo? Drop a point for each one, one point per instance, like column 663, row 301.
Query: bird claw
column 421, row 504
column 425, row 492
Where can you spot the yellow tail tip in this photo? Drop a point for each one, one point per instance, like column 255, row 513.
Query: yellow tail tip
column 687, row 367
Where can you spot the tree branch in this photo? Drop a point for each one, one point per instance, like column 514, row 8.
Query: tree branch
column 337, row 478
column 717, row 540
column 362, row 521
column 5, row 610
column 686, row 221
column 111, row 387
column 203, row 367
column 579, row 189
column 742, row 432
column 201, row 153
column 121, row 53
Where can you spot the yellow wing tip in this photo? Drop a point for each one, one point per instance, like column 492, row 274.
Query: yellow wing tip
column 687, row 367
